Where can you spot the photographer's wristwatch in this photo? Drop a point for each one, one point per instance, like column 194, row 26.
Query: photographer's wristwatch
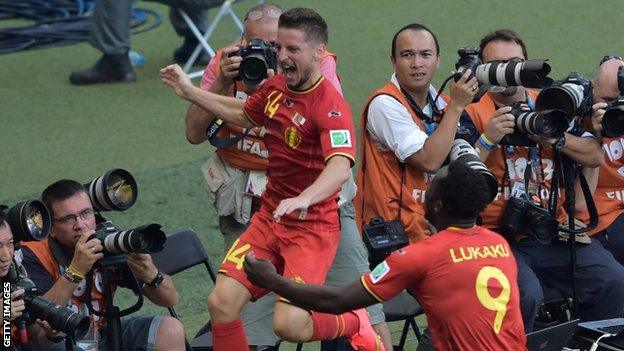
column 560, row 143
column 156, row 281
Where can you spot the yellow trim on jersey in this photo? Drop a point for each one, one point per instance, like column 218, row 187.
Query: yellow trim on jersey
column 222, row 271
column 250, row 119
column 369, row 290
column 458, row 229
column 341, row 154
column 314, row 86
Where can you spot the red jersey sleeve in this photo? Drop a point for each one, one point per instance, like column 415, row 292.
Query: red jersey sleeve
column 335, row 125
column 402, row 269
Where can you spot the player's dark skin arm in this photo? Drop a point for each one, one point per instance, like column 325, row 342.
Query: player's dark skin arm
column 328, row 299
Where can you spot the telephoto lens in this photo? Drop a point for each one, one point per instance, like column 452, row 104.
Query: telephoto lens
column 529, row 73
column 60, row 318
column 144, row 239
column 29, row 220
column 115, row 190
column 572, row 95
column 463, row 152
column 613, row 119
column 549, row 123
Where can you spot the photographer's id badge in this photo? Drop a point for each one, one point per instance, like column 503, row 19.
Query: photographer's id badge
column 256, row 183
column 517, row 190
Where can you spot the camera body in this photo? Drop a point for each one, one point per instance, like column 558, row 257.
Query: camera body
column 524, row 217
column 258, row 56
column 468, row 59
column 37, row 307
column 381, row 237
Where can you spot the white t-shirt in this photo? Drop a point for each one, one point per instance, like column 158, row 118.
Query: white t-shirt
column 391, row 126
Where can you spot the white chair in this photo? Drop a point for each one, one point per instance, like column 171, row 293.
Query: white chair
column 225, row 10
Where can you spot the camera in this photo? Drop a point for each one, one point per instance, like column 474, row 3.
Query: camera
column 258, row 57
column 60, row 318
column 147, row 238
column 382, row 237
column 529, row 73
column 463, row 152
column 116, row 190
column 523, row 216
column 573, row 95
column 613, row 118
column 550, row 123
column 29, row 220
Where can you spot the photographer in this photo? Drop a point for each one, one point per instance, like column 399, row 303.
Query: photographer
column 41, row 332
column 436, row 271
column 404, row 138
column 59, row 264
column 600, row 278
column 608, row 194
column 245, row 163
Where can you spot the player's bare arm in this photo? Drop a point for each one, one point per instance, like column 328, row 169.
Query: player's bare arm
column 227, row 108
column 320, row 298
column 335, row 173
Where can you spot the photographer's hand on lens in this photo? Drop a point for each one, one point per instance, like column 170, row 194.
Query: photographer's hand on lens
column 86, row 253
column 51, row 333
column 598, row 111
column 17, row 304
column 174, row 76
column 260, row 272
column 142, row 266
column 500, row 124
column 463, row 91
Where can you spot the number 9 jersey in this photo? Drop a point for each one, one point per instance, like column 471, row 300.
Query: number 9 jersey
column 466, row 281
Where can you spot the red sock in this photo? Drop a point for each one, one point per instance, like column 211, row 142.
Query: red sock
column 329, row 326
column 229, row 336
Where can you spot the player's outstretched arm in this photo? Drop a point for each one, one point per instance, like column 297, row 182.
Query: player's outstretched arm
column 335, row 173
column 320, row 298
column 227, row 108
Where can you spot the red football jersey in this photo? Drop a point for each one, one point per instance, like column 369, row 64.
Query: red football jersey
column 304, row 130
column 465, row 280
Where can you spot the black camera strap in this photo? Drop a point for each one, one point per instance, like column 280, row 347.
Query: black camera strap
column 219, row 142
column 436, row 114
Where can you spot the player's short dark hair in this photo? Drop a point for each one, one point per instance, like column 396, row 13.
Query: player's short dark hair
column 307, row 20
column 61, row 190
column 502, row 35
column 463, row 192
column 414, row 27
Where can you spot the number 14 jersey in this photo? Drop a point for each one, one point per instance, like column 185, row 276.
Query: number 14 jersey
column 466, row 281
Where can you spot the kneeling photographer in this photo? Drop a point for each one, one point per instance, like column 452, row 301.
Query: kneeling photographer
column 524, row 168
column 19, row 313
column 67, row 268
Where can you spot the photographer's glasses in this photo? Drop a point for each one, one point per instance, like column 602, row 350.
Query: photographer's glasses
column 71, row 219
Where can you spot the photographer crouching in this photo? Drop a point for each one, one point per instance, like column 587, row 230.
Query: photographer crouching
column 41, row 332
column 59, row 265
column 526, row 171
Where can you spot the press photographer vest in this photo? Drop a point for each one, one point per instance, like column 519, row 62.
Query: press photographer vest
column 249, row 153
column 379, row 178
column 480, row 114
column 609, row 194
column 42, row 251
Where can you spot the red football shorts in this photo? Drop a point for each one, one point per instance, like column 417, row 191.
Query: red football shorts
column 297, row 252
